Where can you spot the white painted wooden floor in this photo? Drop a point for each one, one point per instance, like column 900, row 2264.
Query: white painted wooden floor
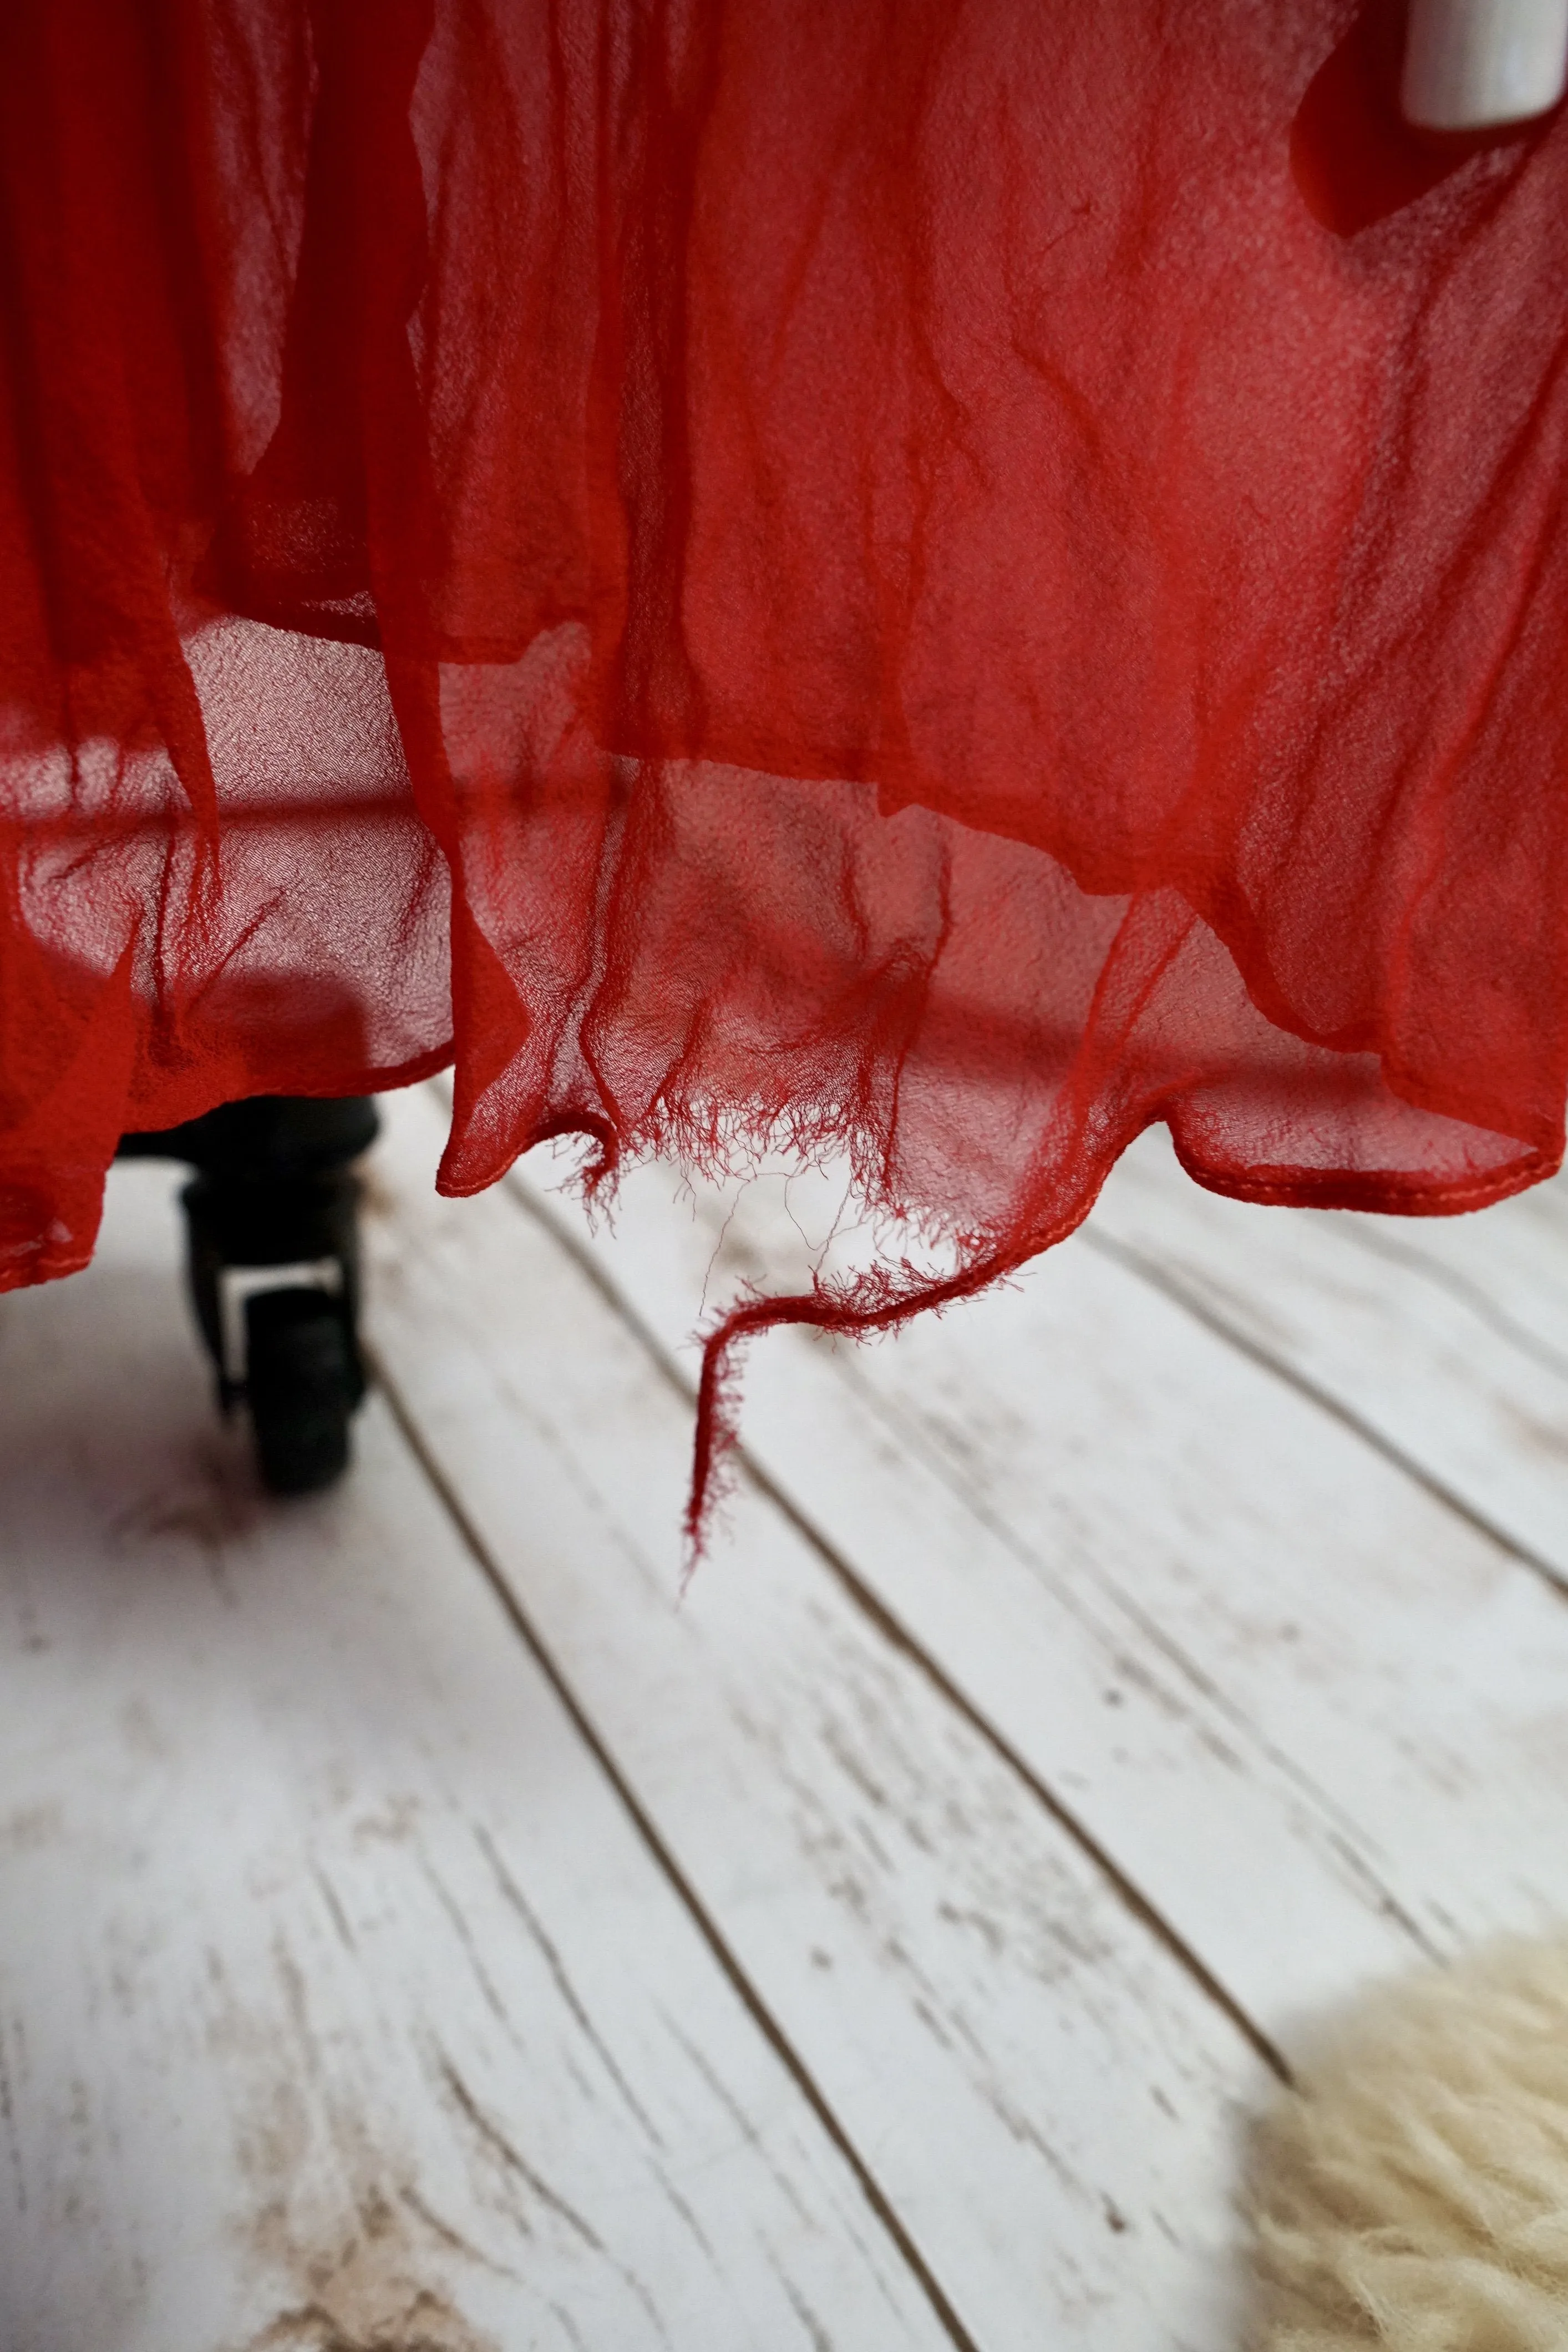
column 420, row 1933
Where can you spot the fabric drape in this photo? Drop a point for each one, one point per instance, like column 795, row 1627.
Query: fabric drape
column 940, row 580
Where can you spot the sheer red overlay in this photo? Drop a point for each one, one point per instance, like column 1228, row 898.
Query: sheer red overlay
column 938, row 579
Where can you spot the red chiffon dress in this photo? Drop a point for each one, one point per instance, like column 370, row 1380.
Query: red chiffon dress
column 934, row 580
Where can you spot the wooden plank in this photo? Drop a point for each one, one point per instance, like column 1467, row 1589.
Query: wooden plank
column 1047, row 2099
column 1444, row 1338
column 342, row 2003
column 1315, row 1717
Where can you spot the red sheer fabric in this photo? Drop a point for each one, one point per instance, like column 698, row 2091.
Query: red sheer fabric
column 944, row 579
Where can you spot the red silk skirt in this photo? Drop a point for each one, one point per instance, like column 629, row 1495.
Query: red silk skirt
column 936, row 580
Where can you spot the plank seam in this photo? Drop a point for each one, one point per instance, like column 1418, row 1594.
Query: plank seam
column 1339, row 1826
column 872, row 1607
column 762, row 2017
column 1466, row 1293
column 1158, row 1277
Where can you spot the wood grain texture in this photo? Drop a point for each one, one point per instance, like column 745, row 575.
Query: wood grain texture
column 342, row 2005
column 1311, row 1713
column 1048, row 2101
column 1446, row 1339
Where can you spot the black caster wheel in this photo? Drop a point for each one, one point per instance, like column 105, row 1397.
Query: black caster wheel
column 302, row 1384
column 273, row 1256
column 275, row 1277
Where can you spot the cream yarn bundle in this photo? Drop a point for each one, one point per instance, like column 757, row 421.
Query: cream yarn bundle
column 1413, row 2191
